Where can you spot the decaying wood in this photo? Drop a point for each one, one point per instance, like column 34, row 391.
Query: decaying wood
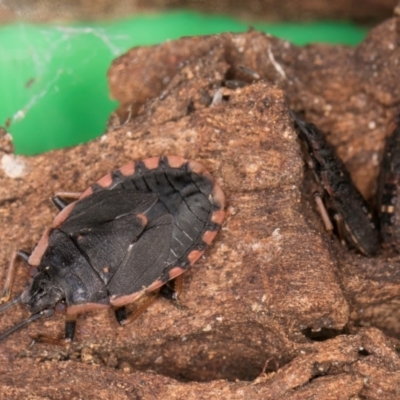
column 271, row 10
column 277, row 308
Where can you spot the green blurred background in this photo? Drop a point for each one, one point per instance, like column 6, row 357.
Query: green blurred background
column 53, row 76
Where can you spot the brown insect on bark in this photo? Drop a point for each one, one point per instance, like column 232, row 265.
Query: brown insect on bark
column 339, row 199
column 388, row 189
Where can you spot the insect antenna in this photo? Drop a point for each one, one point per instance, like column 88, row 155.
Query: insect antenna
column 11, row 303
column 300, row 123
column 45, row 313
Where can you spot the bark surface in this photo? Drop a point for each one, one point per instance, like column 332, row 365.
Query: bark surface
column 262, row 10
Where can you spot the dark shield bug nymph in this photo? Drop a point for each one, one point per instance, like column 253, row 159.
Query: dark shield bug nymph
column 353, row 218
column 389, row 188
column 130, row 233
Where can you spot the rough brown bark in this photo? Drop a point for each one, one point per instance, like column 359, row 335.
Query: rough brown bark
column 277, row 308
column 266, row 10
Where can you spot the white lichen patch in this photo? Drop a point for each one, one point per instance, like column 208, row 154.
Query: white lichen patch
column 288, row 134
column 276, row 234
column 14, row 166
column 263, row 298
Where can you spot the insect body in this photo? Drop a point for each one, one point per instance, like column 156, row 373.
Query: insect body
column 388, row 190
column 354, row 220
column 130, row 233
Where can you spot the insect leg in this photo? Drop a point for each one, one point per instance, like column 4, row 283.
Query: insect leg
column 70, row 325
column 62, row 199
column 10, row 274
column 23, row 255
column 172, row 290
column 142, row 308
column 340, row 227
column 5, row 296
column 322, row 211
column 120, row 315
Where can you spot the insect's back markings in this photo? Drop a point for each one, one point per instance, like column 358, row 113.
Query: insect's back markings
column 183, row 198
